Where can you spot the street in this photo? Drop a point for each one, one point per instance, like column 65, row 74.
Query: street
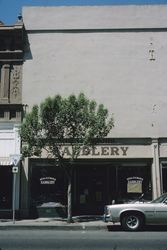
column 115, row 239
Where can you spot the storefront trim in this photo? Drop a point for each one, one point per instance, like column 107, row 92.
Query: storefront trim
column 107, row 152
column 5, row 161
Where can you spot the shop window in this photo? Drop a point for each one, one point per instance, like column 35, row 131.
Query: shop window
column 47, row 185
column 132, row 182
column 12, row 114
column 2, row 114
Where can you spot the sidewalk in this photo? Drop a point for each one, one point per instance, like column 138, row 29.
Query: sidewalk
column 80, row 223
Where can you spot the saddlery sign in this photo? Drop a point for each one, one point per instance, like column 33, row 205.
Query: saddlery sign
column 107, row 151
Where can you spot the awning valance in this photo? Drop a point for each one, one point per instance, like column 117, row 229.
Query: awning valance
column 5, row 161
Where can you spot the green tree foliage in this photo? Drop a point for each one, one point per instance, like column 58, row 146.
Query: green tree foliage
column 75, row 120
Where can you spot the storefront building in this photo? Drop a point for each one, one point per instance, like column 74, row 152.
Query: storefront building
column 105, row 174
column 11, row 60
column 117, row 56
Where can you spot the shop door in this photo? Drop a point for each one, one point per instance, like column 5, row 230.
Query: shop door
column 6, row 181
column 91, row 190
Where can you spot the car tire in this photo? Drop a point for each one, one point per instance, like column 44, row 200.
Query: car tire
column 132, row 222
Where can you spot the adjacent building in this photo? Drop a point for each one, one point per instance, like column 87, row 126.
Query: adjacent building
column 116, row 55
column 11, row 60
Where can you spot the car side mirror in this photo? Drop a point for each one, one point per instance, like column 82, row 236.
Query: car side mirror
column 113, row 202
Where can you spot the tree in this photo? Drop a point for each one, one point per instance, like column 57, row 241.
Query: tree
column 75, row 121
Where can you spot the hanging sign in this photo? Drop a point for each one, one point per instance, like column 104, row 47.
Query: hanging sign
column 134, row 184
column 47, row 180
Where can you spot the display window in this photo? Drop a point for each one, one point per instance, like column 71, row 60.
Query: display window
column 47, row 184
column 93, row 186
column 108, row 183
column 133, row 182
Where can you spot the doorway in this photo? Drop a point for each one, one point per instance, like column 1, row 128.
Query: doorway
column 91, row 191
column 6, row 182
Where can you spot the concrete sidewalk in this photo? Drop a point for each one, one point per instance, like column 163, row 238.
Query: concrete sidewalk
column 54, row 223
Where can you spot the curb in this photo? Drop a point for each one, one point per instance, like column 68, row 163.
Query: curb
column 81, row 223
column 54, row 227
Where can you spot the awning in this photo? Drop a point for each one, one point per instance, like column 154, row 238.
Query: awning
column 5, row 161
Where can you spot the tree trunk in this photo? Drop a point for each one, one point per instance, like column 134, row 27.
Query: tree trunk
column 69, row 197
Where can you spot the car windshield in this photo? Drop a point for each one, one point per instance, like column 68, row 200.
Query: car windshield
column 160, row 199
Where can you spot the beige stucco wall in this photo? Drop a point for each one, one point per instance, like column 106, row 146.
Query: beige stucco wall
column 95, row 17
column 111, row 66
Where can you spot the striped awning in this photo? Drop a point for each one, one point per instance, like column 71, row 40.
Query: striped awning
column 5, row 161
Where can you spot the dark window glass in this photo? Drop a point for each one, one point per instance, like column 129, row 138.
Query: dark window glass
column 2, row 113
column 12, row 114
column 132, row 182
column 47, row 185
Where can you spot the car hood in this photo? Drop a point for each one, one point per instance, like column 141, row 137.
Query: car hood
column 134, row 205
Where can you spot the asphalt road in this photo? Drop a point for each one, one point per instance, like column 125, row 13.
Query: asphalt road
column 81, row 240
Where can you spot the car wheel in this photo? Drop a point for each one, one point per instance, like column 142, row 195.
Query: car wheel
column 132, row 222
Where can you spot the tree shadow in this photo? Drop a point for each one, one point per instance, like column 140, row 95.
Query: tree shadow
column 156, row 228
column 115, row 228
column 86, row 218
column 150, row 228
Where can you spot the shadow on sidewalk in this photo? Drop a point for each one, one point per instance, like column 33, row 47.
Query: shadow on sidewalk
column 86, row 218
column 150, row 228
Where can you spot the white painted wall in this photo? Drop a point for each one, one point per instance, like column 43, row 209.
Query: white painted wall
column 10, row 145
column 114, row 67
column 9, row 142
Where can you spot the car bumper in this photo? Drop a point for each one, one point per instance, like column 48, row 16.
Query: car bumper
column 106, row 218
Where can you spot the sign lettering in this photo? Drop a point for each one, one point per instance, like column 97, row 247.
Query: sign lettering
column 47, row 180
column 134, row 184
column 99, row 151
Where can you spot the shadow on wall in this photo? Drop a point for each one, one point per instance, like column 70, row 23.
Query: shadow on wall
column 27, row 49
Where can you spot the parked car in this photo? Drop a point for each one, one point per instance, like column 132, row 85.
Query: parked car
column 134, row 216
